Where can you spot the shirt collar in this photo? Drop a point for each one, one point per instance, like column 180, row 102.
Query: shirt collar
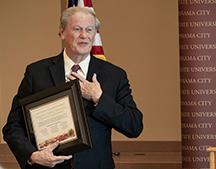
column 68, row 63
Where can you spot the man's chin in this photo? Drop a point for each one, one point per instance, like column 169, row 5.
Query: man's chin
column 84, row 52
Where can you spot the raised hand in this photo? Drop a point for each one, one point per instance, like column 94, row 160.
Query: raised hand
column 90, row 90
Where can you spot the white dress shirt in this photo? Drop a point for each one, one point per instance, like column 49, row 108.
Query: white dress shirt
column 68, row 63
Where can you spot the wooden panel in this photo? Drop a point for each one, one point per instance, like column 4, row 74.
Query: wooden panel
column 147, row 154
column 127, row 155
column 153, row 160
column 212, row 151
column 149, row 146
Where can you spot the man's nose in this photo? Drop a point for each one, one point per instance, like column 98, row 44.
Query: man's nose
column 83, row 33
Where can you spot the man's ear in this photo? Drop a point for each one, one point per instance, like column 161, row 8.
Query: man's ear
column 61, row 33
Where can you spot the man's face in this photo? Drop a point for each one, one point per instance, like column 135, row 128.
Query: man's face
column 78, row 36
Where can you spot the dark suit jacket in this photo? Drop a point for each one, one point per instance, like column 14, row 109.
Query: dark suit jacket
column 116, row 109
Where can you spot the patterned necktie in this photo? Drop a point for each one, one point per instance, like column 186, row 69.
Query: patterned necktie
column 75, row 68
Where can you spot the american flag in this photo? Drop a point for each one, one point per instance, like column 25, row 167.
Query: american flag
column 97, row 48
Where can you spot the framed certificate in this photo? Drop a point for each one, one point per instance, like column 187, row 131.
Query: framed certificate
column 55, row 114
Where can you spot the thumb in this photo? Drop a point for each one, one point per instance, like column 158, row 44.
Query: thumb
column 94, row 78
column 52, row 146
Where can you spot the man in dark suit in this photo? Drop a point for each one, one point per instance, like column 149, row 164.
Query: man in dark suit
column 105, row 90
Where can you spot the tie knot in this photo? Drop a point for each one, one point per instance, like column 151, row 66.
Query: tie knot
column 75, row 68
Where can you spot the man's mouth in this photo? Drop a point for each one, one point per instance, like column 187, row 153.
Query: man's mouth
column 83, row 43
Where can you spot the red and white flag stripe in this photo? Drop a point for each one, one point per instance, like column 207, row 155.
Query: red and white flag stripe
column 97, row 48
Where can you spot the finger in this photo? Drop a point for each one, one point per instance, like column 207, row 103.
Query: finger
column 70, row 77
column 68, row 157
column 78, row 76
column 60, row 158
column 82, row 87
column 52, row 146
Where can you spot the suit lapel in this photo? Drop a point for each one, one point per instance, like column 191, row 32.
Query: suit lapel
column 93, row 68
column 90, row 69
column 57, row 70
